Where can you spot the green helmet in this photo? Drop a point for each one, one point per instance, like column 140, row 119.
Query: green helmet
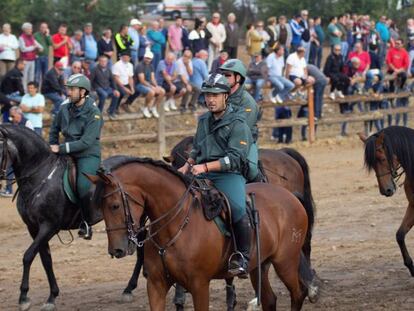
column 215, row 83
column 235, row 65
column 79, row 80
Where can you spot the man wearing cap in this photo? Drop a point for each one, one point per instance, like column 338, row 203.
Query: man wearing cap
column 53, row 86
column 103, row 82
column 133, row 32
column 221, row 145
column 89, row 45
column 80, row 123
column 243, row 103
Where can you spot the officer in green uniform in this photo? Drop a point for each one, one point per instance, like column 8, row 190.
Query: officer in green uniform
column 244, row 103
column 220, row 150
column 80, row 123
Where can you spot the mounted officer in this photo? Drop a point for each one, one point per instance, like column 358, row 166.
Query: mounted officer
column 220, row 150
column 243, row 103
column 80, row 123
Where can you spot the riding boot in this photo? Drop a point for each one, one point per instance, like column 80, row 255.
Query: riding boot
column 85, row 229
column 239, row 260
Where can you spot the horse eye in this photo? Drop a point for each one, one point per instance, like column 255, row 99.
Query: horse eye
column 115, row 207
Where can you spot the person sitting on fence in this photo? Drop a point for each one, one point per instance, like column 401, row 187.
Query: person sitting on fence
column 185, row 70
column 364, row 60
column 200, row 74
column 166, row 75
column 297, row 72
column 334, row 67
column 373, row 78
column 12, row 83
column 147, row 86
column 53, row 87
column 257, row 76
column 75, row 68
column 103, row 82
column 223, row 57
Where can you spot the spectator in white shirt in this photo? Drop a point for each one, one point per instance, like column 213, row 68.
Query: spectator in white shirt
column 8, row 47
column 218, row 36
column 32, row 105
column 296, row 69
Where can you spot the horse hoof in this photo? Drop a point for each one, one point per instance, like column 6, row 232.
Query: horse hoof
column 24, row 306
column 313, row 293
column 48, row 307
column 127, row 297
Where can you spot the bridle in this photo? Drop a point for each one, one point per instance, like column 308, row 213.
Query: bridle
column 4, row 158
column 129, row 224
column 393, row 171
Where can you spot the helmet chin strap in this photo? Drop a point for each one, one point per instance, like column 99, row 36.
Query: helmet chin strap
column 78, row 100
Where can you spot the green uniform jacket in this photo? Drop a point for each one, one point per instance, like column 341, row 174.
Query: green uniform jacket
column 81, row 128
column 227, row 139
column 245, row 104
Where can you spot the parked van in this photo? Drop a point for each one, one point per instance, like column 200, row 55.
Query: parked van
column 183, row 8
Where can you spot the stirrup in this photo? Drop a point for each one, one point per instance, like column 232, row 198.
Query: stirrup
column 238, row 265
column 85, row 231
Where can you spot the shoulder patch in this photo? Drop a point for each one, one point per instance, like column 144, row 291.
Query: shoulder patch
column 248, row 109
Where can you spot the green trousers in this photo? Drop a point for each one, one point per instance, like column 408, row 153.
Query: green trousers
column 234, row 187
column 253, row 158
column 88, row 165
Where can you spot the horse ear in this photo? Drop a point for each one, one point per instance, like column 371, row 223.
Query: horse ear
column 168, row 159
column 380, row 139
column 362, row 137
column 92, row 178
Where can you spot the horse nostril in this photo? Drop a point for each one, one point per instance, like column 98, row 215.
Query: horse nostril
column 118, row 253
column 388, row 192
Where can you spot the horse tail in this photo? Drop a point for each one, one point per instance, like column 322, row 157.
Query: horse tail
column 308, row 279
column 306, row 198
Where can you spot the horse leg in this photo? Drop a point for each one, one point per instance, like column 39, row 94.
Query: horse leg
column 42, row 236
column 268, row 298
column 230, row 294
column 288, row 272
column 47, row 263
column 133, row 281
column 157, row 290
column 200, row 293
column 405, row 227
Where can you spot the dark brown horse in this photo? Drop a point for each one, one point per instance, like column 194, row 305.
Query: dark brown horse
column 390, row 153
column 284, row 167
column 183, row 247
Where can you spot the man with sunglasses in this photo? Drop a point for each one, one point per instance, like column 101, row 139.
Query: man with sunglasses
column 219, row 153
column 243, row 103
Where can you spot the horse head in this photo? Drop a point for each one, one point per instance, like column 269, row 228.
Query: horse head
column 380, row 158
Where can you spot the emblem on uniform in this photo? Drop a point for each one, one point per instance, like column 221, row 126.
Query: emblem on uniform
column 242, row 142
column 97, row 117
column 248, row 109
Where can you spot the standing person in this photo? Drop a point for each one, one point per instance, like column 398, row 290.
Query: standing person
column 144, row 43
column 333, row 33
column 123, row 73
column 175, row 36
column 80, row 123
column 232, row 35
column 32, row 106
column 53, row 87
column 284, row 34
column 265, row 38
column 42, row 60
column 77, row 52
column 341, row 24
column 253, row 41
column 220, row 150
column 318, row 88
column 157, row 40
column 29, row 48
column 164, row 30
column 306, row 36
column 318, row 43
column 61, row 44
column 147, row 86
column 186, row 33
column 8, row 47
column 200, row 74
column 105, row 46
column 384, row 34
column 103, row 83
column 218, row 36
column 89, row 45
column 271, row 31
column 123, row 41
column 297, row 31
column 197, row 37
column 133, row 31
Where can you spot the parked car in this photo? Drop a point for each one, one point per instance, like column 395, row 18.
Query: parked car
column 183, row 8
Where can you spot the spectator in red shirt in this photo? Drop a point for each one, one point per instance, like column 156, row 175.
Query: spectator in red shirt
column 398, row 61
column 61, row 44
column 363, row 56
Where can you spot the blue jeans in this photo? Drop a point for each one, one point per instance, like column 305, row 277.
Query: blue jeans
column 41, row 67
column 257, row 85
column 56, row 100
column 10, row 176
column 283, row 113
column 38, row 131
column 401, row 102
column 344, row 50
column 134, row 57
column 282, row 86
column 315, row 55
column 382, row 52
column 156, row 59
column 103, row 94
column 303, row 113
column 318, row 89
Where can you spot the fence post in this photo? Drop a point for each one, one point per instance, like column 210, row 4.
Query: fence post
column 161, row 132
column 311, row 115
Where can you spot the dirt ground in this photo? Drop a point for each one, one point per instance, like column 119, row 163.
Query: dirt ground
column 354, row 249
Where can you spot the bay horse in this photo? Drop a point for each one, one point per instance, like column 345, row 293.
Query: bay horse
column 42, row 202
column 390, row 154
column 182, row 247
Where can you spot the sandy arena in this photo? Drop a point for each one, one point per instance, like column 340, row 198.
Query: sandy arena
column 354, row 249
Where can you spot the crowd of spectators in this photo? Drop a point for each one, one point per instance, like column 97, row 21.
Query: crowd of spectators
column 167, row 65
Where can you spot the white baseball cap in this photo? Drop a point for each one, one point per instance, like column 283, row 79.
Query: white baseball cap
column 149, row 54
column 134, row 22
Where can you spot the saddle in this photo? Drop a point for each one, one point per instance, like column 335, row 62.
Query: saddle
column 69, row 181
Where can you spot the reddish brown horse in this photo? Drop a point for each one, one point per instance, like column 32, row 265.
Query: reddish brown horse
column 390, row 153
column 183, row 247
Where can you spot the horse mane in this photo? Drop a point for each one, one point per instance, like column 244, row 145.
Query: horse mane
column 24, row 131
column 399, row 142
